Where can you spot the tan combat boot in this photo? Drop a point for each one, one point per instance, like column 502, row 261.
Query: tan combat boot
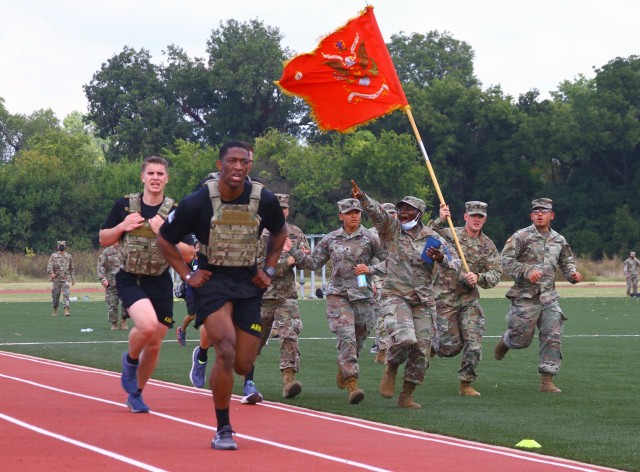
column 356, row 395
column 466, row 390
column 55, row 311
column 381, row 356
column 123, row 324
column 340, row 382
column 546, row 384
column 290, row 386
column 66, row 311
column 388, row 382
column 405, row 399
column 501, row 350
column 114, row 326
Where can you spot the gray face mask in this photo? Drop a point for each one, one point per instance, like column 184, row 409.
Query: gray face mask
column 61, row 248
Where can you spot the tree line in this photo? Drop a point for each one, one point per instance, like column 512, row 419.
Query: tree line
column 579, row 147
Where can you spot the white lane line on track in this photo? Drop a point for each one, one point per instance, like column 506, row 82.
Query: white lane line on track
column 198, row 425
column 99, row 450
column 386, row 429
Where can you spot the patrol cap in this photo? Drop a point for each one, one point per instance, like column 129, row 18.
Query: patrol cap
column 415, row 202
column 542, row 203
column 348, row 204
column 283, row 198
column 389, row 207
column 61, row 242
column 475, row 207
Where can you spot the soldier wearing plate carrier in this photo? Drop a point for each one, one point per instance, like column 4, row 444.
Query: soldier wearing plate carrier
column 227, row 216
column 144, row 282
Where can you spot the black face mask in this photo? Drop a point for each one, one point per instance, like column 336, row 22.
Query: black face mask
column 61, row 248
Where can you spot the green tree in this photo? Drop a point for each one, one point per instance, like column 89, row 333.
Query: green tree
column 132, row 108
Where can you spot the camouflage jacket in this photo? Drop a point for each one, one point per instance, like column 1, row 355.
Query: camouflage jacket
column 345, row 251
column 108, row 265
column 526, row 250
column 283, row 285
column 61, row 266
column 482, row 258
column 379, row 267
column 631, row 266
column 408, row 276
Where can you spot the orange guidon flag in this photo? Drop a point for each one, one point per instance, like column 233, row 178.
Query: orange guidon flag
column 349, row 79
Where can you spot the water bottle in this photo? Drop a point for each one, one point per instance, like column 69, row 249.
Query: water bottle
column 362, row 281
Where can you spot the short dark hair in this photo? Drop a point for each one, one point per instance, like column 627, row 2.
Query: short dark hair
column 234, row 144
column 155, row 160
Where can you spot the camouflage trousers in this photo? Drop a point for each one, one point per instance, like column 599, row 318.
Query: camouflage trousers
column 112, row 300
column 351, row 321
column 409, row 324
column 460, row 329
column 60, row 286
column 523, row 317
column 632, row 284
column 283, row 315
column 382, row 337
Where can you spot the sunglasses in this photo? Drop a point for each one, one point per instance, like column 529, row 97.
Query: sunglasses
column 540, row 211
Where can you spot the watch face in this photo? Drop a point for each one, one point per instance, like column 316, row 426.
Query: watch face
column 270, row 271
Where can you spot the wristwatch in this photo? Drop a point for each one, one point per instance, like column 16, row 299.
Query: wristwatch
column 270, row 271
column 188, row 276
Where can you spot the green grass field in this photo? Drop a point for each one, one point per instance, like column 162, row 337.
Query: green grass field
column 596, row 419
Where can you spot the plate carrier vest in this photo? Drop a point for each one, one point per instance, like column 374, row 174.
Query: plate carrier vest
column 233, row 235
column 139, row 253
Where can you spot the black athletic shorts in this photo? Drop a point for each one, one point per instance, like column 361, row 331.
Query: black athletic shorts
column 190, row 299
column 158, row 289
column 237, row 289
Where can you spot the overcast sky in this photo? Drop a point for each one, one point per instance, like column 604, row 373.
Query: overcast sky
column 50, row 49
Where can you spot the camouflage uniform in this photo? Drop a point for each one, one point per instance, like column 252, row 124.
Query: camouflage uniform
column 349, row 307
column 536, row 304
column 380, row 270
column 459, row 316
column 631, row 273
column 60, row 268
column 280, row 301
column 408, row 298
column 108, row 267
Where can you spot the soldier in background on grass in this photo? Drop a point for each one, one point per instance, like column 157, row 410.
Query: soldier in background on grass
column 280, row 306
column 108, row 267
column 459, row 316
column 531, row 256
column 631, row 273
column 61, row 272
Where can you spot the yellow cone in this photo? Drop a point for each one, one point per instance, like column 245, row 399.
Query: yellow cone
column 529, row 444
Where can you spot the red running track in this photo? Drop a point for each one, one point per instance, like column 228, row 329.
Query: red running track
column 56, row 416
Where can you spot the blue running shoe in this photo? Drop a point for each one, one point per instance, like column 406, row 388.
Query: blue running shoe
column 182, row 336
column 129, row 377
column 136, row 403
column 223, row 439
column 198, row 369
column 251, row 393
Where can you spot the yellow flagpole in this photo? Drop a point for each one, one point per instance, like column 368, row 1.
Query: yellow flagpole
column 435, row 184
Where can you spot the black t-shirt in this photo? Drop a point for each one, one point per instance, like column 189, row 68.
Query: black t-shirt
column 194, row 214
column 119, row 212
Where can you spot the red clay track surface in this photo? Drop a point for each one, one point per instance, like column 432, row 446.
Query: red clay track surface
column 56, row 416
